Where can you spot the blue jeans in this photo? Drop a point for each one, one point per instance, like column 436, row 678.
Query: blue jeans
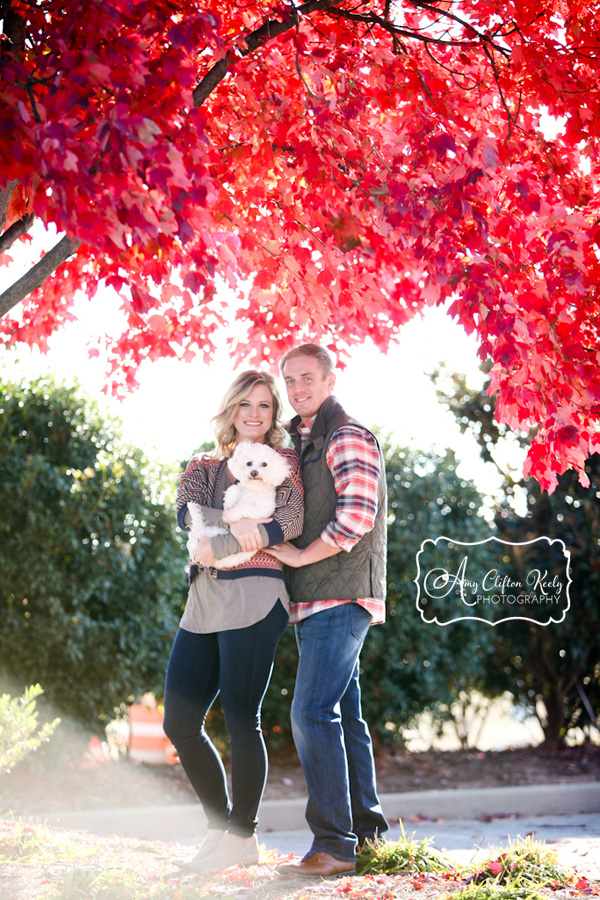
column 238, row 664
column 331, row 737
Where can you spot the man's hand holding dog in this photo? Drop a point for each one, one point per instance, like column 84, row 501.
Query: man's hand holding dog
column 292, row 556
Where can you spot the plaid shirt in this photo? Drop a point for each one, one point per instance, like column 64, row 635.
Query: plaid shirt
column 353, row 460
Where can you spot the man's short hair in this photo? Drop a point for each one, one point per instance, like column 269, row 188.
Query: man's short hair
column 313, row 350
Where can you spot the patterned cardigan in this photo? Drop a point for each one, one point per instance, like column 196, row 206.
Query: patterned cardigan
column 199, row 484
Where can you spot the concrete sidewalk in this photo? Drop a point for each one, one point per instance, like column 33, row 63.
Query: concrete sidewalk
column 186, row 822
column 465, row 824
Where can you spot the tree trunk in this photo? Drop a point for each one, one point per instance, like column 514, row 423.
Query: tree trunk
column 554, row 724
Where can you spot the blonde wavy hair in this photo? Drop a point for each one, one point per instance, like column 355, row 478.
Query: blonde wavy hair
column 223, row 427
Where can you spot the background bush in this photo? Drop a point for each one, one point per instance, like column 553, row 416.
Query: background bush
column 20, row 731
column 91, row 567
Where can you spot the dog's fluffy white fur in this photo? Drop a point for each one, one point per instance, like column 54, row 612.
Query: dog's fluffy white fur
column 259, row 470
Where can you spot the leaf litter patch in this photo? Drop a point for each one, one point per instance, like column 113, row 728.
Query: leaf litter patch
column 54, row 864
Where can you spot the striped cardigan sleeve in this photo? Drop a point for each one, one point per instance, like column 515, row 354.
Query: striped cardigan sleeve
column 288, row 517
column 195, row 485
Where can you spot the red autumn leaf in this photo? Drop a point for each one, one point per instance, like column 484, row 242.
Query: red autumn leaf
column 495, row 868
column 442, row 144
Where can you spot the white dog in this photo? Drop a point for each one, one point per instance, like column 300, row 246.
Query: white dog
column 259, row 470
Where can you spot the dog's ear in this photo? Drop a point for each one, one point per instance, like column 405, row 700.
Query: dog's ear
column 236, row 460
column 242, row 449
column 280, row 468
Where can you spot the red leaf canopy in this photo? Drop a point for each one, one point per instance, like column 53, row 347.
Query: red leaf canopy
column 341, row 164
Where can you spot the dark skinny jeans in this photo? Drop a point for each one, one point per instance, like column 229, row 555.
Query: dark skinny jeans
column 238, row 664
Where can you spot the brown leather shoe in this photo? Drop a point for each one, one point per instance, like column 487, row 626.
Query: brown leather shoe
column 318, row 864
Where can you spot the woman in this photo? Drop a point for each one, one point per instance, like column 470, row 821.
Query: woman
column 233, row 621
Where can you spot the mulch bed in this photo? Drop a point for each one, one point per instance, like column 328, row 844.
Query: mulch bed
column 32, row 788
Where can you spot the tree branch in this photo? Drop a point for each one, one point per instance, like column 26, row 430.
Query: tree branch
column 15, row 231
column 511, row 121
column 253, row 41
column 399, row 31
column 38, row 274
column 14, row 28
column 5, row 199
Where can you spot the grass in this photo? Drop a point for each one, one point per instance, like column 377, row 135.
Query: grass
column 22, row 842
column 404, row 855
column 526, row 862
column 496, row 892
column 119, row 884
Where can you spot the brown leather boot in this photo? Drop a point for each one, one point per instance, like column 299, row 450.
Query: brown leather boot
column 318, row 864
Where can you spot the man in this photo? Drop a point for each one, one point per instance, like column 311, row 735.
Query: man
column 336, row 579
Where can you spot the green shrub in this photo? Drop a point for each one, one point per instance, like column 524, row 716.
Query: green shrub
column 92, row 573
column 20, row 731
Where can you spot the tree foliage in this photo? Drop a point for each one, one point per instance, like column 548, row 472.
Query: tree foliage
column 410, row 666
column 553, row 670
column 341, row 164
column 91, row 572
column 556, row 670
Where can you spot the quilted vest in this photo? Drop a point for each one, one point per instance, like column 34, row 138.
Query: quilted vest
column 354, row 575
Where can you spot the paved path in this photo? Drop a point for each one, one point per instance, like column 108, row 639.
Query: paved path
column 461, row 823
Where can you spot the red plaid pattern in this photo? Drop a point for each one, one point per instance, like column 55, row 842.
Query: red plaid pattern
column 353, row 460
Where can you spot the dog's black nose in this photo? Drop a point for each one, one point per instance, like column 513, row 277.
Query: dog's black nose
column 254, row 473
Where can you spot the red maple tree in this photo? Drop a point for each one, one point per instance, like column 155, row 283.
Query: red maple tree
column 342, row 163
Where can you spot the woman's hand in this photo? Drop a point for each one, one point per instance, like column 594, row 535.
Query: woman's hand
column 247, row 533
column 287, row 554
column 203, row 554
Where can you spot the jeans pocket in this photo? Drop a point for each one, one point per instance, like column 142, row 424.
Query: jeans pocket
column 360, row 619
